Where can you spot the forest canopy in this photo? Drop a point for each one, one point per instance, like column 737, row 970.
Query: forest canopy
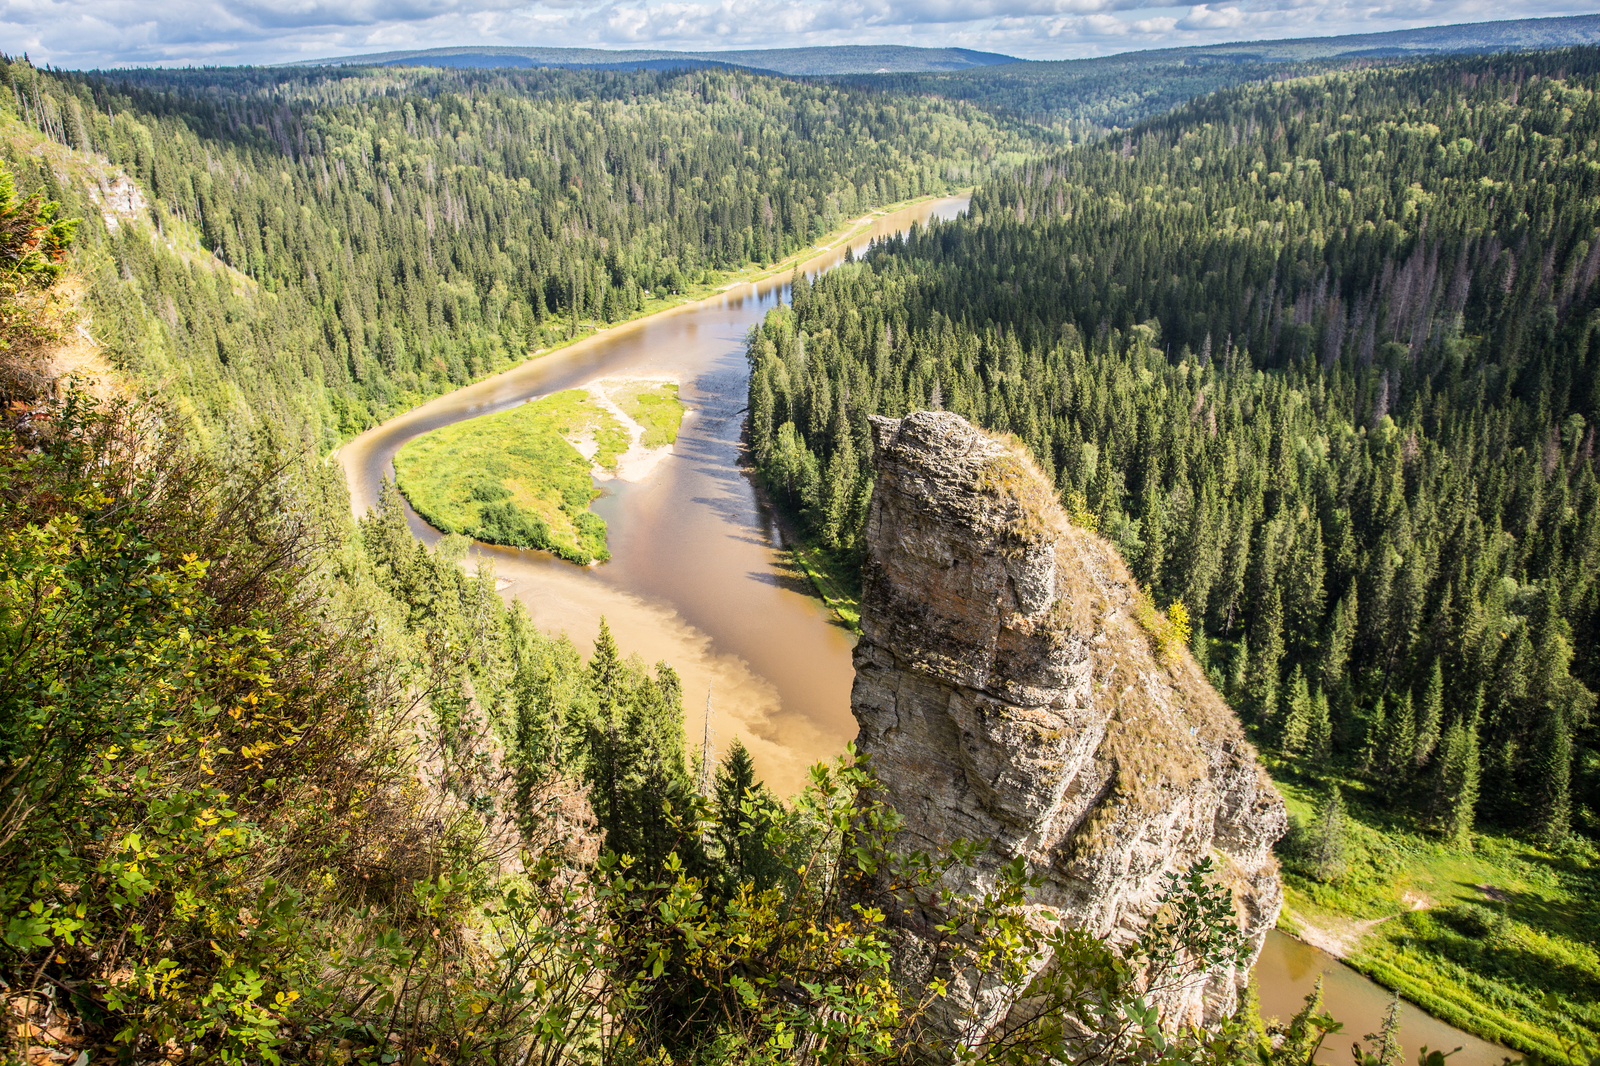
column 284, row 785
column 1321, row 357
column 337, row 245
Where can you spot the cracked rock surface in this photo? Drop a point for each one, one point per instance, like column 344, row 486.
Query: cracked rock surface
column 1006, row 691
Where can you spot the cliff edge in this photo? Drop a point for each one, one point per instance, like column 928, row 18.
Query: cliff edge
column 1006, row 692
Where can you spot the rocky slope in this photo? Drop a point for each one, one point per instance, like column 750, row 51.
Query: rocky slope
column 1006, row 692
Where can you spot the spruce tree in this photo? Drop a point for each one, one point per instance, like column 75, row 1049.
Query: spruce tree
column 761, row 427
column 1398, row 758
column 605, row 671
column 1305, row 581
column 1319, row 733
column 639, row 784
column 1341, row 635
column 657, row 794
column 1455, row 780
column 1267, row 644
column 1431, row 716
column 1550, row 773
column 1503, row 733
column 1238, row 670
column 1326, row 836
column 1297, row 714
column 606, row 759
column 745, row 811
column 1373, row 740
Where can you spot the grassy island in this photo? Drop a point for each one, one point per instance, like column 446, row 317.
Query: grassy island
column 523, row 477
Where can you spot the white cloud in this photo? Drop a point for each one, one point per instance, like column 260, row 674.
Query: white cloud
column 1203, row 17
column 85, row 33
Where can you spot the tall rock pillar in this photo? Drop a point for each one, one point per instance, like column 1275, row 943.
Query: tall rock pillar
column 1006, row 692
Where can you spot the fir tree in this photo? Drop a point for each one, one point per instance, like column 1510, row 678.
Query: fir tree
column 1263, row 678
column 1326, row 836
column 639, row 784
column 1372, row 744
column 606, row 757
column 1319, row 733
column 1297, row 714
column 745, row 811
column 1550, row 760
column 1432, row 716
column 1340, row 638
column 1305, row 581
column 1398, row 759
column 1238, row 670
column 1455, row 779
column 761, row 427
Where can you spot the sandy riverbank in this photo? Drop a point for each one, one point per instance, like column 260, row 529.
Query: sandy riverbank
column 639, row 461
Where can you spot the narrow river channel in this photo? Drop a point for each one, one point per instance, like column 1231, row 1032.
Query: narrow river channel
column 696, row 576
column 697, row 579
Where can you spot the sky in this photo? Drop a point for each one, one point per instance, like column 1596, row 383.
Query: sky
column 79, row 34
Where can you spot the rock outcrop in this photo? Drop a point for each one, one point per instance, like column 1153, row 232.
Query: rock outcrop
column 1006, row 691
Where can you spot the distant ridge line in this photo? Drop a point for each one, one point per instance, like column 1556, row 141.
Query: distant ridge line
column 1463, row 37
column 830, row 59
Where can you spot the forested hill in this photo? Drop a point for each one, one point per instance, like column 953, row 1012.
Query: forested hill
column 1321, row 357
column 335, row 246
column 1091, row 96
column 837, row 59
column 279, row 787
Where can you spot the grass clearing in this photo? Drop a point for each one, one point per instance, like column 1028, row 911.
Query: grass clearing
column 514, row 478
column 1501, row 941
column 652, row 404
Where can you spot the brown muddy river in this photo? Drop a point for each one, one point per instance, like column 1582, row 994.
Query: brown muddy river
column 696, row 576
column 697, row 579
column 1288, row 970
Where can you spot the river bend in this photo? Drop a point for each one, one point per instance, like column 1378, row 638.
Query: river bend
column 698, row 579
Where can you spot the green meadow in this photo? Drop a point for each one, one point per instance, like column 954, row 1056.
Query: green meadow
column 652, row 404
column 513, row 478
column 1498, row 939
column 516, row 478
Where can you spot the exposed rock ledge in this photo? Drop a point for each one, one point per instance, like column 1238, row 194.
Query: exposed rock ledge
column 1006, row 692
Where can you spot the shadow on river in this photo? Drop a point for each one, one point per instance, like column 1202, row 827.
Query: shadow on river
column 698, row 579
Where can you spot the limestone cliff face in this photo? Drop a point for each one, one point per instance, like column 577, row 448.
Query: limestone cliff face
column 1006, row 692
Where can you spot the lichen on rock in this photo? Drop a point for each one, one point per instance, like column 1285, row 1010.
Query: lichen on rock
column 1006, row 693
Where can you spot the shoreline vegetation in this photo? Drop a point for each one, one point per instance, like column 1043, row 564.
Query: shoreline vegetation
column 521, row 477
column 1371, row 483
column 567, row 528
column 653, row 305
column 1487, row 938
column 836, row 582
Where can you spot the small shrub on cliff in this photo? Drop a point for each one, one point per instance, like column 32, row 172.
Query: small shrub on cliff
column 1080, row 514
column 1170, row 629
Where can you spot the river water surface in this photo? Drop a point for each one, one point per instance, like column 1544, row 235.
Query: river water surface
column 696, row 576
column 697, row 579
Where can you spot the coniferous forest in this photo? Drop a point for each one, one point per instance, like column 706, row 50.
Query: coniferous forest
column 1317, row 357
column 337, row 246
column 1320, row 357
column 277, row 784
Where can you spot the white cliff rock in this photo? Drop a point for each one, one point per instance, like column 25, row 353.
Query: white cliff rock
column 1006, row 692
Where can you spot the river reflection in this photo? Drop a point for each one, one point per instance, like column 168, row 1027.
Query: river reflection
column 696, row 577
